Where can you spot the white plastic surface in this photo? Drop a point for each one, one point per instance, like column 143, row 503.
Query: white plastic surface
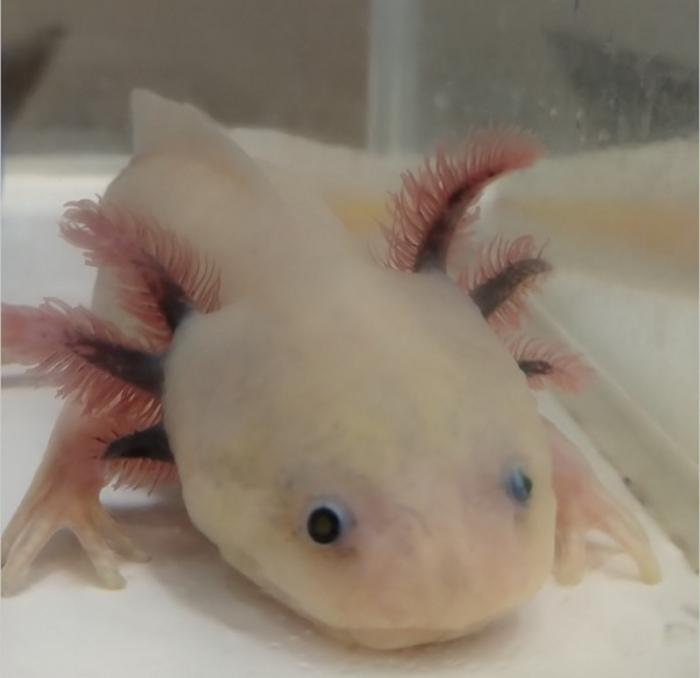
column 188, row 614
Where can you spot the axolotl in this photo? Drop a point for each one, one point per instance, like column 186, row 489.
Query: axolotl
column 352, row 427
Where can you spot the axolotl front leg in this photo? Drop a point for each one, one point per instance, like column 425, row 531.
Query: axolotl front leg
column 113, row 384
column 584, row 505
column 64, row 494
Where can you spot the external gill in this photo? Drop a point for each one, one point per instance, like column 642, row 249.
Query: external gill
column 109, row 429
column 437, row 207
column 84, row 357
column 438, row 202
column 161, row 277
column 505, row 271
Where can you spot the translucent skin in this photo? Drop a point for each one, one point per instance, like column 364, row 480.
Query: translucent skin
column 326, row 376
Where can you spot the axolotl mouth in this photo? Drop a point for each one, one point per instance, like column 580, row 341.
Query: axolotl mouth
column 378, row 573
column 403, row 582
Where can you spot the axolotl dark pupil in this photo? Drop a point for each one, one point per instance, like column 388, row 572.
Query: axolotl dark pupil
column 519, row 486
column 324, row 525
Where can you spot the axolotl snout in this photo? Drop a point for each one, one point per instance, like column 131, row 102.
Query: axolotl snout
column 416, row 459
column 347, row 425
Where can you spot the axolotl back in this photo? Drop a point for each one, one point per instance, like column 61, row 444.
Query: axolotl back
column 355, row 437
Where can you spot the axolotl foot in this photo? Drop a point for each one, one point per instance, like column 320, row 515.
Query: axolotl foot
column 66, row 496
column 49, row 510
column 583, row 505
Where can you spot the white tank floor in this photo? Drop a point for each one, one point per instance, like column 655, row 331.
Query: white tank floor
column 188, row 614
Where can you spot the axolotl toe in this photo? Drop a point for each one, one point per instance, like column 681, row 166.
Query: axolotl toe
column 353, row 428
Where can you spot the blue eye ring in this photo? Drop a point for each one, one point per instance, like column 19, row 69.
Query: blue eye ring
column 519, row 486
column 326, row 522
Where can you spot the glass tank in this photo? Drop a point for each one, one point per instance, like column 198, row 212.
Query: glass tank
column 346, row 96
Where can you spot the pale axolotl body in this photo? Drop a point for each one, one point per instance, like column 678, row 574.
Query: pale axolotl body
column 353, row 437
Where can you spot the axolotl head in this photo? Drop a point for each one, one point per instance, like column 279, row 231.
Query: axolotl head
column 354, row 438
column 373, row 460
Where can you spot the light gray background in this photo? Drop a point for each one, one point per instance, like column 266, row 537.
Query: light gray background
column 392, row 73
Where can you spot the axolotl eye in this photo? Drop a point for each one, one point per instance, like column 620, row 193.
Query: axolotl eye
column 519, row 485
column 327, row 522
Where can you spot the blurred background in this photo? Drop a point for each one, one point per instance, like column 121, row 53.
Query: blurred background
column 391, row 74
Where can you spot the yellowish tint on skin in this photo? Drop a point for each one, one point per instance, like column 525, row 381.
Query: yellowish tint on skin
column 662, row 231
column 360, row 213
